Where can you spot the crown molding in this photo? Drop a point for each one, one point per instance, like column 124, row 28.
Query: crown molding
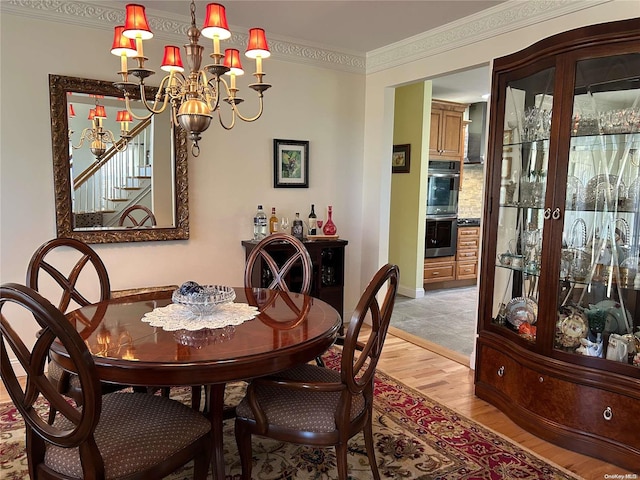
column 104, row 17
column 505, row 17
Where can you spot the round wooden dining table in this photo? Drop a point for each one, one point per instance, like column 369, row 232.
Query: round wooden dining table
column 289, row 329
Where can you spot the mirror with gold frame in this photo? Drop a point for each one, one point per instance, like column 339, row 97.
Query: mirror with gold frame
column 97, row 194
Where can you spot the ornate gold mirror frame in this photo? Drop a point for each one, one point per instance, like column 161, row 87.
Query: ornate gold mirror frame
column 59, row 87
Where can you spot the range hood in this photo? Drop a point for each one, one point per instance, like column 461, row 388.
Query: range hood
column 476, row 131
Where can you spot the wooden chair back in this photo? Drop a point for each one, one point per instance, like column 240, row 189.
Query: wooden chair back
column 300, row 257
column 138, row 216
column 53, row 325
column 360, row 358
column 88, row 263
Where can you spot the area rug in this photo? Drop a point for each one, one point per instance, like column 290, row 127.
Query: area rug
column 415, row 438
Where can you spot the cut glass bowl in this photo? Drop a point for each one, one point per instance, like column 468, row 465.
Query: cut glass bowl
column 204, row 302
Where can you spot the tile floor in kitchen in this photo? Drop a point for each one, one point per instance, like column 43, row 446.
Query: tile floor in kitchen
column 446, row 317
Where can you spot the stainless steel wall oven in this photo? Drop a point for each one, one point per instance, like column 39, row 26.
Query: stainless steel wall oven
column 443, row 185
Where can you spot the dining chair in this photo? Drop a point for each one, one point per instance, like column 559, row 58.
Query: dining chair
column 313, row 405
column 278, row 270
column 297, row 257
column 86, row 282
column 137, row 216
column 113, row 436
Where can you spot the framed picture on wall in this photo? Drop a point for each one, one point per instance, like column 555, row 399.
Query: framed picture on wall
column 290, row 163
column 400, row 161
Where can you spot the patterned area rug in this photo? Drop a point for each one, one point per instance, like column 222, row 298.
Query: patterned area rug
column 415, row 438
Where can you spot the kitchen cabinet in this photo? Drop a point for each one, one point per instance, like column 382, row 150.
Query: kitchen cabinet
column 439, row 269
column 327, row 259
column 559, row 325
column 467, row 253
column 446, row 138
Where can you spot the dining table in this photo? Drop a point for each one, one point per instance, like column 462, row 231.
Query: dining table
column 288, row 329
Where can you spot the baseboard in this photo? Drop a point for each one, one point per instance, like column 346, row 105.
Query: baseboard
column 410, row 292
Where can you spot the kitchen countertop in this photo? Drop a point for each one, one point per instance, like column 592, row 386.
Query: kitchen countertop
column 468, row 222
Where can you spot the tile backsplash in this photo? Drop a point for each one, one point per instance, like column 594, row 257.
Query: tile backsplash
column 471, row 200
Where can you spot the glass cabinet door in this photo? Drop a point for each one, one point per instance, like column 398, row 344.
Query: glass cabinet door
column 599, row 289
column 523, row 186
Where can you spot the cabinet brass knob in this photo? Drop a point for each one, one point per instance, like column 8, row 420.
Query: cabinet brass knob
column 556, row 214
column 501, row 371
column 607, row 414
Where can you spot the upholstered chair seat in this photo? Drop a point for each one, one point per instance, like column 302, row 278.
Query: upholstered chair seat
column 142, row 440
column 302, row 410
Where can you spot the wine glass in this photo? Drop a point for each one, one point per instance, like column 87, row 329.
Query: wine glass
column 319, row 225
column 284, row 224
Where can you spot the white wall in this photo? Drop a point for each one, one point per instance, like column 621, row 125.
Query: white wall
column 232, row 175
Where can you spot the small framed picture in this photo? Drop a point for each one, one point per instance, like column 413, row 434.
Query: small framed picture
column 400, row 161
column 290, row 163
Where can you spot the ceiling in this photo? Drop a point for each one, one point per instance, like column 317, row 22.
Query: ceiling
column 356, row 26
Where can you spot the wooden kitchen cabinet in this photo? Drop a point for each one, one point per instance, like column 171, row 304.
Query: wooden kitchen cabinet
column 439, row 269
column 560, row 277
column 467, row 253
column 446, row 138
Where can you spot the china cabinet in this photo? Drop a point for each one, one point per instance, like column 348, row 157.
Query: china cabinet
column 559, row 328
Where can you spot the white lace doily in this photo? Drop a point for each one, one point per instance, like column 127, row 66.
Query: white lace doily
column 178, row 317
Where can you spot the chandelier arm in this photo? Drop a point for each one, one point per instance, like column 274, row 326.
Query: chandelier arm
column 175, row 91
column 143, row 97
column 137, row 117
column 209, row 85
column 250, row 119
column 120, row 145
column 85, row 134
column 174, row 112
column 233, row 119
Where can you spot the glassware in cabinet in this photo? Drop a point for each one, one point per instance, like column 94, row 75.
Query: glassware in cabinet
column 599, row 298
column 523, row 186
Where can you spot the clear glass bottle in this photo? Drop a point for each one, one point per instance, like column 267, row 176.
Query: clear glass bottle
column 329, row 227
column 273, row 221
column 297, row 230
column 313, row 229
column 259, row 224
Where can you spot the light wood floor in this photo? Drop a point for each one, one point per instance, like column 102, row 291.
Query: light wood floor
column 445, row 376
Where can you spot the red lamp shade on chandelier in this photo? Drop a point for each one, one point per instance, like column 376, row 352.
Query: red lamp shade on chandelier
column 215, row 22
column 135, row 23
column 172, row 62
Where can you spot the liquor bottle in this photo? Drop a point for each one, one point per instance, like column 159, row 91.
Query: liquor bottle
column 329, row 227
column 273, row 221
column 312, row 221
column 259, row 224
column 297, row 230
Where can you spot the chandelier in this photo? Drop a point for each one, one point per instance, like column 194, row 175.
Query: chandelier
column 193, row 98
column 99, row 136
